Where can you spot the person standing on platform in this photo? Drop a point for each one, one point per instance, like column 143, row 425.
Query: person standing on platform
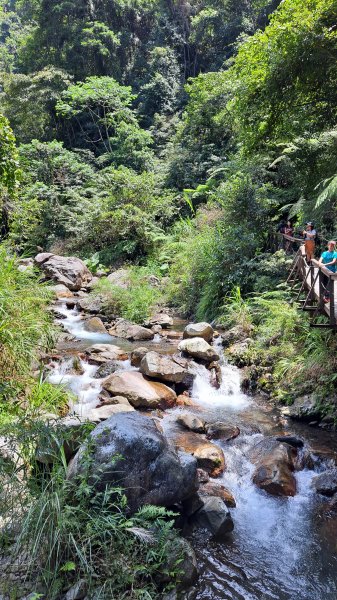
column 309, row 234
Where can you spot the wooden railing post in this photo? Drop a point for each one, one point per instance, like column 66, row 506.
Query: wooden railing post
column 332, row 301
column 321, row 289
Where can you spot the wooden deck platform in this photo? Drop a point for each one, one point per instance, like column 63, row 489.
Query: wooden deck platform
column 318, row 292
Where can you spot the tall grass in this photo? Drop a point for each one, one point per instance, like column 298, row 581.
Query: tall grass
column 25, row 326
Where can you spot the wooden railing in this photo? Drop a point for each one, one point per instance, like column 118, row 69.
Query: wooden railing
column 317, row 293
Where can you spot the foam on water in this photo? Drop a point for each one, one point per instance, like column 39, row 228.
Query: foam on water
column 74, row 324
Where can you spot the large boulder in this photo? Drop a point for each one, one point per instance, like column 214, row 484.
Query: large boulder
column 68, row 270
column 163, row 368
column 102, row 353
column 274, row 463
column 127, row 450
column 139, row 391
column 198, row 348
column 200, row 330
column 304, row 408
column 91, row 304
column 130, row 331
column 326, row 483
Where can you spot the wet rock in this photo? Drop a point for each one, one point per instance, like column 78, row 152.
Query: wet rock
column 222, row 431
column 102, row 353
column 163, row 368
column 198, row 348
column 108, row 410
column 95, row 325
column 192, row 504
column 125, row 329
column 216, row 374
column 191, row 422
column 127, row 450
column 157, row 329
column 326, row 483
column 211, row 488
column 215, row 516
column 68, row 270
column 292, row 440
column 120, row 278
column 211, row 458
column 198, row 330
column 237, row 352
column 274, row 467
column 203, row 476
column 162, row 319
column 106, row 369
column 137, row 355
column 139, row 391
column 184, row 399
column 61, row 291
column 91, row 304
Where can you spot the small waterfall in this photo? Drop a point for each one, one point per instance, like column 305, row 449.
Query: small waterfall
column 228, row 395
column 73, row 323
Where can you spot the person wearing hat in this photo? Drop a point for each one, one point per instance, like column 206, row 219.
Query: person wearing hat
column 309, row 234
column 328, row 260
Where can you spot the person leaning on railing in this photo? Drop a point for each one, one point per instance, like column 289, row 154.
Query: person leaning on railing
column 328, row 260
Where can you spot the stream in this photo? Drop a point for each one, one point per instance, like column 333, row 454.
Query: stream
column 281, row 548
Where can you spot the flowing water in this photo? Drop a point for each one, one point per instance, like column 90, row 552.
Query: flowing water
column 281, row 548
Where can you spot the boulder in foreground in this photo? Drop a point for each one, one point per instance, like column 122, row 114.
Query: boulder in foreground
column 127, row 450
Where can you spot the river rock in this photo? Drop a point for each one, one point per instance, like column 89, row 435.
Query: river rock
column 191, row 422
column 69, row 270
column 222, row 431
column 198, row 348
column 139, row 391
column 137, row 355
column 105, row 401
column 326, row 483
column 125, row 329
column 102, row 353
column 292, row 440
column 77, row 591
column 102, row 413
column 198, row 330
column 91, row 304
column 95, row 325
column 210, row 488
column 211, row 458
column 235, row 334
column 274, row 463
column 127, row 450
column 120, row 278
column 161, row 319
column 61, row 291
column 215, row 516
column 106, row 369
column 163, row 368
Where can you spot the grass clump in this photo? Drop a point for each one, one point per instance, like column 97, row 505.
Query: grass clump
column 135, row 302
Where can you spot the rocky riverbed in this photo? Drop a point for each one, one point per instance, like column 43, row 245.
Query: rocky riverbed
column 257, row 492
